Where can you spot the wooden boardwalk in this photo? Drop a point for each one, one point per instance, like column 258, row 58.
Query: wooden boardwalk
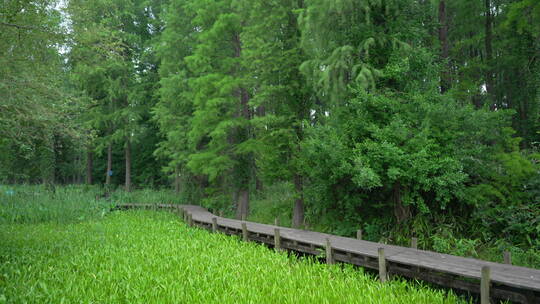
column 518, row 284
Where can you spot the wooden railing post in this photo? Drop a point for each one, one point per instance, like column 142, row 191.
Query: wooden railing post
column 414, row 243
column 329, row 257
column 190, row 219
column 484, row 285
column 220, row 213
column 277, row 239
column 359, row 234
column 182, row 215
column 507, row 257
column 276, row 221
column 214, row 224
column 383, row 276
column 244, row 232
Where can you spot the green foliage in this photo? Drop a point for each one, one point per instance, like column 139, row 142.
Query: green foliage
column 462, row 247
column 115, row 71
column 126, row 256
column 396, row 152
column 400, row 117
column 274, row 202
column 37, row 106
column 174, row 110
column 37, row 204
column 349, row 42
column 387, row 145
column 220, row 119
column 508, row 80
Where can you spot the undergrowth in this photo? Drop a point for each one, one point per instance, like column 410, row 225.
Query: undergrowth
column 152, row 257
column 444, row 237
column 36, row 204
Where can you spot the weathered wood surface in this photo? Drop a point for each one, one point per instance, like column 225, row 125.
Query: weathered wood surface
column 521, row 282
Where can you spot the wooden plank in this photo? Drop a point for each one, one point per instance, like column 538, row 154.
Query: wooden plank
column 431, row 262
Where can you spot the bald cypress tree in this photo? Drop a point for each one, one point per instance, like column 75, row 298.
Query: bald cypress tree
column 273, row 54
column 113, row 66
column 174, row 110
column 220, row 123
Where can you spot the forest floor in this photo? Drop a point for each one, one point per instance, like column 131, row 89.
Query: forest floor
column 68, row 250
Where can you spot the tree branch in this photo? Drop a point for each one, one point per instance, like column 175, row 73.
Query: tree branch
column 23, row 27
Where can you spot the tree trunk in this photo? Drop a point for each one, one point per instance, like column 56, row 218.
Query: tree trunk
column 298, row 211
column 80, row 176
column 128, row 164
column 109, row 165
column 445, row 47
column 245, row 162
column 89, row 166
column 401, row 212
column 489, row 53
column 48, row 166
column 176, row 180
column 259, row 186
column 234, row 197
column 243, row 199
column 242, row 205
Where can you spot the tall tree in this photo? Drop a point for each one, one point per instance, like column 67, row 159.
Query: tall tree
column 445, row 46
column 220, row 124
column 37, row 109
column 352, row 44
column 273, row 54
column 114, row 67
column 175, row 109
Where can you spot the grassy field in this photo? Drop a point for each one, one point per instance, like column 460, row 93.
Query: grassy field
column 152, row 257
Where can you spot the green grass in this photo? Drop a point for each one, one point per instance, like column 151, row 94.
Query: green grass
column 35, row 204
column 148, row 196
column 152, row 257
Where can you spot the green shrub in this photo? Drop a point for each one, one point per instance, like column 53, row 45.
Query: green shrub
column 276, row 201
